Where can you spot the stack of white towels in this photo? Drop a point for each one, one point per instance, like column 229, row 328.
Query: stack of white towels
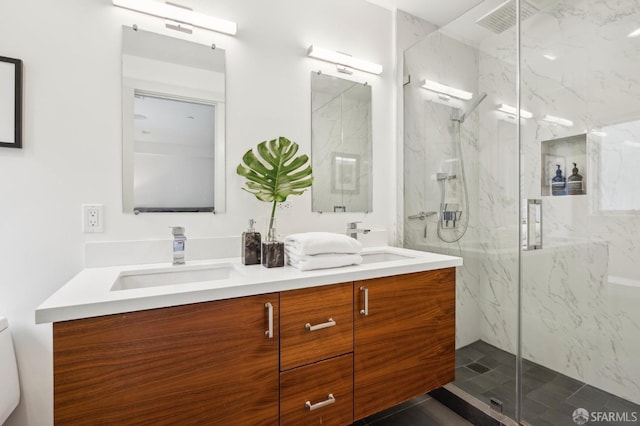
column 321, row 250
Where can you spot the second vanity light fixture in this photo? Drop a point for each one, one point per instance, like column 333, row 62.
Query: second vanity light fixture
column 443, row 89
column 558, row 120
column 343, row 60
column 179, row 16
column 512, row 111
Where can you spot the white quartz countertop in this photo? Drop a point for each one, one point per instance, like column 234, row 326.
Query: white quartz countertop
column 90, row 294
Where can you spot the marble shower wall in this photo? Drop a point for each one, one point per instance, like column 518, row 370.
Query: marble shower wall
column 431, row 145
column 577, row 317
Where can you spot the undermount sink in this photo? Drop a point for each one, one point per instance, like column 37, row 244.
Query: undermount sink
column 129, row 280
column 376, row 257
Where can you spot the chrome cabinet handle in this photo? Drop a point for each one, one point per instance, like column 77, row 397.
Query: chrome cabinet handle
column 269, row 332
column 365, row 311
column 330, row 400
column 330, row 323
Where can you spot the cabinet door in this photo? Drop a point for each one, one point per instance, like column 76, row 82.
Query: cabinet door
column 206, row 363
column 405, row 345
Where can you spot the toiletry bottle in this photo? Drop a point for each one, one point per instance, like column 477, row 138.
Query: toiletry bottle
column 574, row 182
column 251, row 245
column 558, row 182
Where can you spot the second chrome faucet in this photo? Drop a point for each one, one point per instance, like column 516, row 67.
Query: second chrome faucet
column 353, row 230
column 179, row 240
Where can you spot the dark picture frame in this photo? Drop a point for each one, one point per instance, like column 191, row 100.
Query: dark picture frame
column 10, row 102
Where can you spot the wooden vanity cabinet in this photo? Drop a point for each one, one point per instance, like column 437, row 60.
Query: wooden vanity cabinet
column 404, row 341
column 205, row 363
column 338, row 353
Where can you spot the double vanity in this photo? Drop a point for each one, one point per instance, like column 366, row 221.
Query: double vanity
column 219, row 342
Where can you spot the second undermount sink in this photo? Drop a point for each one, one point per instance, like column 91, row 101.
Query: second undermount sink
column 129, row 280
column 383, row 256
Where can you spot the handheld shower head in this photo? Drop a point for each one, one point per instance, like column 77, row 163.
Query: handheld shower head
column 471, row 108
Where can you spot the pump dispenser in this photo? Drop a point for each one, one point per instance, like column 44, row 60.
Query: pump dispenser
column 574, row 182
column 558, row 183
column 251, row 241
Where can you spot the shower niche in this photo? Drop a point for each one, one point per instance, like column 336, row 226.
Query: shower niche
column 559, row 158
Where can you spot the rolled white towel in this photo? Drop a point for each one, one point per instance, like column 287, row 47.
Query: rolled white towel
column 309, row 243
column 323, row 261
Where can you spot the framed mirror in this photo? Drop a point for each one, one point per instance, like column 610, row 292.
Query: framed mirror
column 341, row 146
column 10, row 102
column 173, row 124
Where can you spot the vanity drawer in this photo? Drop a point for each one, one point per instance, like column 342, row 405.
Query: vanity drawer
column 320, row 393
column 315, row 324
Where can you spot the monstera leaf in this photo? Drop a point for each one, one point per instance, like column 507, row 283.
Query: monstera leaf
column 274, row 173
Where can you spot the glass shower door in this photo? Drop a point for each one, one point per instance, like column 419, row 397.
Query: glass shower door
column 580, row 150
column 461, row 188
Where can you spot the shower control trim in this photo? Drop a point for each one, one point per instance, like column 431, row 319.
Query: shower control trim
column 444, row 176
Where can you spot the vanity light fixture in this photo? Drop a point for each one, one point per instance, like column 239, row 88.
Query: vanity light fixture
column 179, row 17
column 440, row 88
column 508, row 109
column 342, row 60
column 558, row 120
column 634, row 33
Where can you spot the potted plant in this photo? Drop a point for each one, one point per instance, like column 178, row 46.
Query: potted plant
column 273, row 172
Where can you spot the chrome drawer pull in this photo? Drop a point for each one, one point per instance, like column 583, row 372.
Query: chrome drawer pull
column 330, row 400
column 365, row 311
column 269, row 332
column 330, row 323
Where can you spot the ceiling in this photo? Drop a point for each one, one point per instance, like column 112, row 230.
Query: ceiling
column 438, row 12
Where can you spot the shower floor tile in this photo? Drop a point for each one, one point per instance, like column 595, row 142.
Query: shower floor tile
column 549, row 397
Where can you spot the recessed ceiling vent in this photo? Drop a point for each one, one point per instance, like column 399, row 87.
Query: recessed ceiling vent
column 503, row 17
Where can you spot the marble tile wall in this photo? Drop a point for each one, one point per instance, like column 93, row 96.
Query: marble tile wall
column 432, row 145
column 577, row 317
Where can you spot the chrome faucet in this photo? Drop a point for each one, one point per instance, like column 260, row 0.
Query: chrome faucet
column 178, row 244
column 353, row 230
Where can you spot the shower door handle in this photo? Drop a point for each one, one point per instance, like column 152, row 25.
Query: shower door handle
column 532, row 224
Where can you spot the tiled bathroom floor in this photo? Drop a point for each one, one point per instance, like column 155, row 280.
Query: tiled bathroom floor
column 550, row 398
column 420, row 411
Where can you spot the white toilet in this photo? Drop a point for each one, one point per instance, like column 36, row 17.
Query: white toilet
column 9, row 385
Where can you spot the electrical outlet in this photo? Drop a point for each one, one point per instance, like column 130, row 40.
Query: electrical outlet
column 92, row 218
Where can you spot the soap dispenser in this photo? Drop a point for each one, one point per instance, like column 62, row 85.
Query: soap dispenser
column 574, row 182
column 558, row 182
column 251, row 241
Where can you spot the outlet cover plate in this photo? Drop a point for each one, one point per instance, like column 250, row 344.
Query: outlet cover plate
column 92, row 218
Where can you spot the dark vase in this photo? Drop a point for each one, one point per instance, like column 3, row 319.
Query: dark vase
column 272, row 249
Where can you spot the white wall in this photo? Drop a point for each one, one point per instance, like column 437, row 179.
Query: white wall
column 72, row 147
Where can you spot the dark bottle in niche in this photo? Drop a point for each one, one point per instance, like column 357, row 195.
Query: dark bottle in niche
column 251, row 245
column 558, row 182
column 574, row 182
